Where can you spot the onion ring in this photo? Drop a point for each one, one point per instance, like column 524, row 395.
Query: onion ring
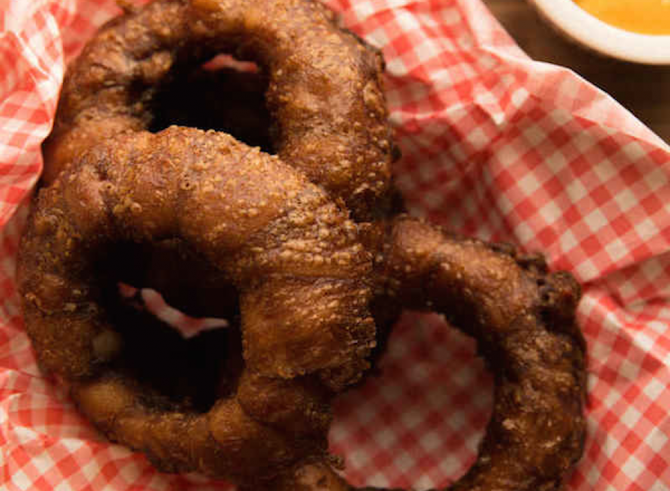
column 309, row 61
column 257, row 221
column 523, row 320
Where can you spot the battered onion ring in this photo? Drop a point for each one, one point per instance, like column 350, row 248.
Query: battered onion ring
column 523, row 320
column 324, row 86
column 294, row 257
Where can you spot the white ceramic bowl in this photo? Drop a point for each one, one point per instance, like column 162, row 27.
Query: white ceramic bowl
column 589, row 31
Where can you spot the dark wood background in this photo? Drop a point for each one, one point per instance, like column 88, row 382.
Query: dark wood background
column 644, row 90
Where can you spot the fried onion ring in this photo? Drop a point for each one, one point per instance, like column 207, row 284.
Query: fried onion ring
column 324, row 86
column 523, row 320
column 291, row 253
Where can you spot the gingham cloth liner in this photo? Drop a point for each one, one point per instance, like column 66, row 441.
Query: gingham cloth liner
column 493, row 145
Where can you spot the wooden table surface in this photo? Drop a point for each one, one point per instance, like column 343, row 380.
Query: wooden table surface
column 644, row 90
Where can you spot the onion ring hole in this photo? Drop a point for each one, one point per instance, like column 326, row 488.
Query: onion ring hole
column 182, row 352
column 222, row 94
column 445, row 388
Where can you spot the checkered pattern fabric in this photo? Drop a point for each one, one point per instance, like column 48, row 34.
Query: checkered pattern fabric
column 494, row 145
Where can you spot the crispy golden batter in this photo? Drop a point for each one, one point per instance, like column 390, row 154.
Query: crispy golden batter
column 324, row 86
column 523, row 320
column 293, row 256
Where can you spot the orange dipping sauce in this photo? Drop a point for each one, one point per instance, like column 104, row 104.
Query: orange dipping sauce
column 643, row 16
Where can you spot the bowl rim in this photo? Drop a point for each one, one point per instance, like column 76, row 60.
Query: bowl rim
column 604, row 38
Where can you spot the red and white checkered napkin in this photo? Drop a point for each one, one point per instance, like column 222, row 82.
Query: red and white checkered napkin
column 494, row 145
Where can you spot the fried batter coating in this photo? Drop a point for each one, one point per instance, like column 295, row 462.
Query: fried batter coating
column 523, row 319
column 290, row 252
column 324, row 86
